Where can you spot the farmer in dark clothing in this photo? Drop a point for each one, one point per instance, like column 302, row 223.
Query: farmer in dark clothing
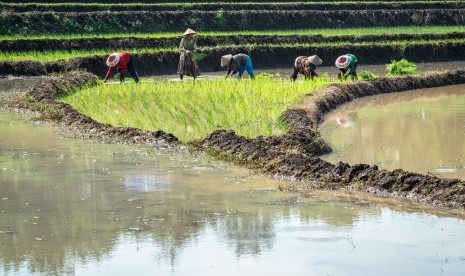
column 123, row 62
column 306, row 66
column 347, row 65
column 238, row 63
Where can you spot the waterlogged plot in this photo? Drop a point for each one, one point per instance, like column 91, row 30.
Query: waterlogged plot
column 191, row 110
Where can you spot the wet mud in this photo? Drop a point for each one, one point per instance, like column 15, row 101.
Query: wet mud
column 164, row 63
column 294, row 155
column 19, row 45
column 163, row 21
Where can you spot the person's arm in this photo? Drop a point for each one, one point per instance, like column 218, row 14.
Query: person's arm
column 107, row 76
column 229, row 70
column 181, row 45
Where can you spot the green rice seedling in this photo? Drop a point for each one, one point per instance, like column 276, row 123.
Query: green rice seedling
column 191, row 110
column 366, row 75
column 401, row 67
column 324, row 32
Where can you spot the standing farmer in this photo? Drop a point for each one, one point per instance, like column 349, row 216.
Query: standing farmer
column 123, row 62
column 238, row 63
column 187, row 61
column 347, row 65
column 306, row 66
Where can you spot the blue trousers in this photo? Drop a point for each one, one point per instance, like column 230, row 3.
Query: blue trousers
column 132, row 70
column 247, row 66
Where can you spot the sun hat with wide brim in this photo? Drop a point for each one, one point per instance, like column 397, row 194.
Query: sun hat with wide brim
column 342, row 61
column 189, row 31
column 225, row 60
column 113, row 59
column 315, row 60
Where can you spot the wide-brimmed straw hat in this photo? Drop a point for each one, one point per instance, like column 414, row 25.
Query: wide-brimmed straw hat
column 315, row 60
column 225, row 60
column 342, row 61
column 113, row 59
column 189, row 31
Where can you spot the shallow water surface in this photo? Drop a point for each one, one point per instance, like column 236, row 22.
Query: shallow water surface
column 75, row 207
column 420, row 131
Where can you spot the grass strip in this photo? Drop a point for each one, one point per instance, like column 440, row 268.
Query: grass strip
column 50, row 56
column 324, row 32
column 191, row 110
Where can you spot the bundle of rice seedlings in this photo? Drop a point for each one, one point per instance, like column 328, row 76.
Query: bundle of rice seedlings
column 401, row 67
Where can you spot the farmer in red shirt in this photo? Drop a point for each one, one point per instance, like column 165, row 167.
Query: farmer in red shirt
column 122, row 62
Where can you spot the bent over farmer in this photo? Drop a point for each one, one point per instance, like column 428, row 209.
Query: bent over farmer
column 187, row 61
column 238, row 63
column 122, row 62
column 306, row 66
column 347, row 65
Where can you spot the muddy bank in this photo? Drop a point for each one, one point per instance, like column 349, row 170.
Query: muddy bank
column 20, row 45
column 42, row 98
column 165, row 63
column 168, row 21
column 273, row 154
column 28, row 7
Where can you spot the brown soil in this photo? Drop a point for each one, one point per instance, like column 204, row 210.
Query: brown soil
column 166, row 62
column 231, row 6
column 20, row 45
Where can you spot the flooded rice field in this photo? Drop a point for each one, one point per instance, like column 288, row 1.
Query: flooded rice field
column 420, row 131
column 77, row 207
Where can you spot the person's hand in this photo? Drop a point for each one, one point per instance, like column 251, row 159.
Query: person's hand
column 105, row 80
column 121, row 78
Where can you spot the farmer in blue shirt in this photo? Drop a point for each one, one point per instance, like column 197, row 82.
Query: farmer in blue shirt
column 238, row 63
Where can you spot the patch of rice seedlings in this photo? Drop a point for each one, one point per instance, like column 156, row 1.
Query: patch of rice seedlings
column 191, row 110
column 401, row 67
column 324, row 32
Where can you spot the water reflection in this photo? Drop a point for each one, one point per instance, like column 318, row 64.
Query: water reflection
column 420, row 131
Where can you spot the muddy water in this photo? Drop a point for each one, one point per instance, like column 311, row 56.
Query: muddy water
column 420, row 131
column 74, row 207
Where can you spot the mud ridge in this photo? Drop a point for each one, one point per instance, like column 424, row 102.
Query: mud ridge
column 168, row 21
column 14, row 7
column 46, row 94
column 164, row 63
column 21, row 45
column 296, row 154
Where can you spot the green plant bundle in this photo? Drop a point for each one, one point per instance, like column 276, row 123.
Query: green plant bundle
column 366, row 75
column 401, row 67
column 191, row 110
column 199, row 56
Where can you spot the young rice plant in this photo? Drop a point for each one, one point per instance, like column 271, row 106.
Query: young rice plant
column 401, row 67
column 191, row 110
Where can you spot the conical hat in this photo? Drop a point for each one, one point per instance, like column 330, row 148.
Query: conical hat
column 189, row 31
column 342, row 61
column 113, row 59
column 315, row 60
column 225, row 60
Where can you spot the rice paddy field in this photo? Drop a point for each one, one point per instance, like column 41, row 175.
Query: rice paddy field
column 129, row 209
column 46, row 37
